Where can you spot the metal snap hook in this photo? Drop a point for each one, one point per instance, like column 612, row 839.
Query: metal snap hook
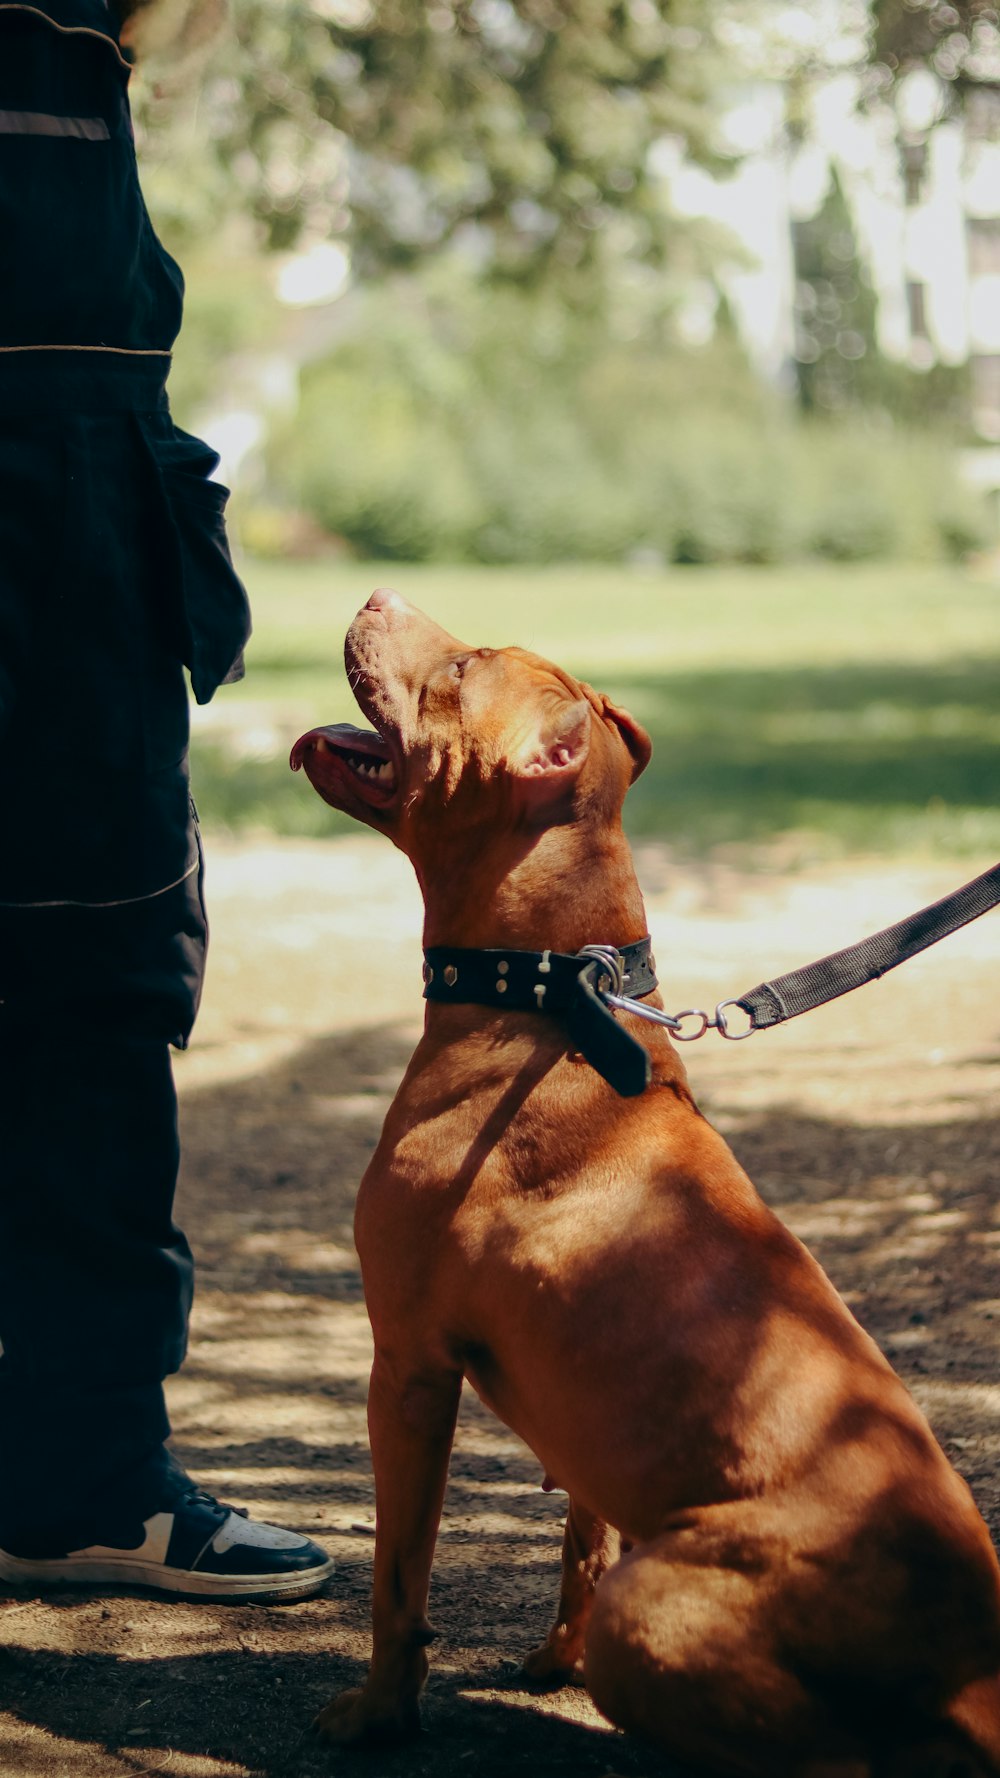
column 722, row 1026
column 614, row 981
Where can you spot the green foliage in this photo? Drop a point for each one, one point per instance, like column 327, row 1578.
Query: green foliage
column 835, row 308
column 958, row 40
column 229, row 308
column 839, row 366
column 521, row 128
column 504, row 429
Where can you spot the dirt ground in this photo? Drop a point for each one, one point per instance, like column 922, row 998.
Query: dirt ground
column 869, row 1125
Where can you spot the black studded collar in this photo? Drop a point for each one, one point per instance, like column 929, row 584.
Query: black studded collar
column 581, row 989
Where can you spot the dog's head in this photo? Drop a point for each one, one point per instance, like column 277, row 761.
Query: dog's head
column 475, row 739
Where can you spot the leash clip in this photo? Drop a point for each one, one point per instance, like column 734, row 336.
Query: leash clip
column 723, row 1029
column 706, row 1022
column 611, row 980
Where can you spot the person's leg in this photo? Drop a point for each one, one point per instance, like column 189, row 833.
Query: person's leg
column 95, row 1279
column 102, row 941
column 101, row 962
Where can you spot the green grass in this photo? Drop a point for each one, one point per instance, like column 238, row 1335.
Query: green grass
column 828, row 709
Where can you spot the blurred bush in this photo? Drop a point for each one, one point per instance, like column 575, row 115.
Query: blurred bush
column 230, row 314
column 458, row 425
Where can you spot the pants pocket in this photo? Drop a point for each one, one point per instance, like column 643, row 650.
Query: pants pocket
column 207, row 596
column 93, row 739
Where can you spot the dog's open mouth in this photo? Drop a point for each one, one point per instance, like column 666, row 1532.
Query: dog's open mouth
column 342, row 758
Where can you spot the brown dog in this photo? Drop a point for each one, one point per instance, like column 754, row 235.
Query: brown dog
column 807, row 1587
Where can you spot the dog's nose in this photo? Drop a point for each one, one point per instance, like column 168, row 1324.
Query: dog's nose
column 385, row 599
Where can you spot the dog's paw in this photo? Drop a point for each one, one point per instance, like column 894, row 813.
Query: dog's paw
column 358, row 1716
column 550, row 1666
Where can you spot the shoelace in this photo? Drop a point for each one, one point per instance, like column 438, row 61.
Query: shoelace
column 201, row 1497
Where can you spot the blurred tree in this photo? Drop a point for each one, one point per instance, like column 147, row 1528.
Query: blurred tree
column 494, row 424
column 839, row 365
column 957, row 40
column 523, row 129
column 835, row 308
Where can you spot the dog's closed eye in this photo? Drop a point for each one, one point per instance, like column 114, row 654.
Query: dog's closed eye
column 457, row 669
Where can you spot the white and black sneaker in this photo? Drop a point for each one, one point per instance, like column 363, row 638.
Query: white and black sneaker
column 196, row 1549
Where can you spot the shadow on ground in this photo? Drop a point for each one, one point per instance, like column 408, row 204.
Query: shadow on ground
column 236, row 1701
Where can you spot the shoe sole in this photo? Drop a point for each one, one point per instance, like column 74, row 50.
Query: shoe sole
column 180, row 1583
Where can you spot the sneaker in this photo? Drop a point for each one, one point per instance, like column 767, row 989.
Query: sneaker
column 197, row 1549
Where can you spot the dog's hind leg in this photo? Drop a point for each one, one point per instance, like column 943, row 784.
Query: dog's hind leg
column 975, row 1713
column 682, row 1653
column 590, row 1547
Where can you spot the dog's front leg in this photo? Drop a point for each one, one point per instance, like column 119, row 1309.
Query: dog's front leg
column 589, row 1548
column 411, row 1422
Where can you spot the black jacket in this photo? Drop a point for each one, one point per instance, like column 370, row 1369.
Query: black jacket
column 114, row 563
column 81, row 263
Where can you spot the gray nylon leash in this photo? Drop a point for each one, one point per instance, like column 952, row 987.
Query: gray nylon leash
column 772, row 1002
column 801, row 989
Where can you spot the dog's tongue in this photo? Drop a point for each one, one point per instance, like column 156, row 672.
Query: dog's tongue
column 341, row 737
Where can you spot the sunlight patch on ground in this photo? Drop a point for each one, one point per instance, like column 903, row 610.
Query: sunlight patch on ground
column 983, row 1399
column 26, row 1748
column 571, row 1704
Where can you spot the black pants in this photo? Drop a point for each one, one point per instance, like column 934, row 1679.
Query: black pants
column 102, row 942
column 95, row 1279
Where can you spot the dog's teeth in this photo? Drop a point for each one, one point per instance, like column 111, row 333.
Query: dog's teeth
column 364, row 767
column 322, row 744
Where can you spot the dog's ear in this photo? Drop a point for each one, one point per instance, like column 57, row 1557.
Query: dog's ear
column 633, row 734
column 637, row 742
column 548, row 763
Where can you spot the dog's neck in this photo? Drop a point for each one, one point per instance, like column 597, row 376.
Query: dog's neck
column 569, row 887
